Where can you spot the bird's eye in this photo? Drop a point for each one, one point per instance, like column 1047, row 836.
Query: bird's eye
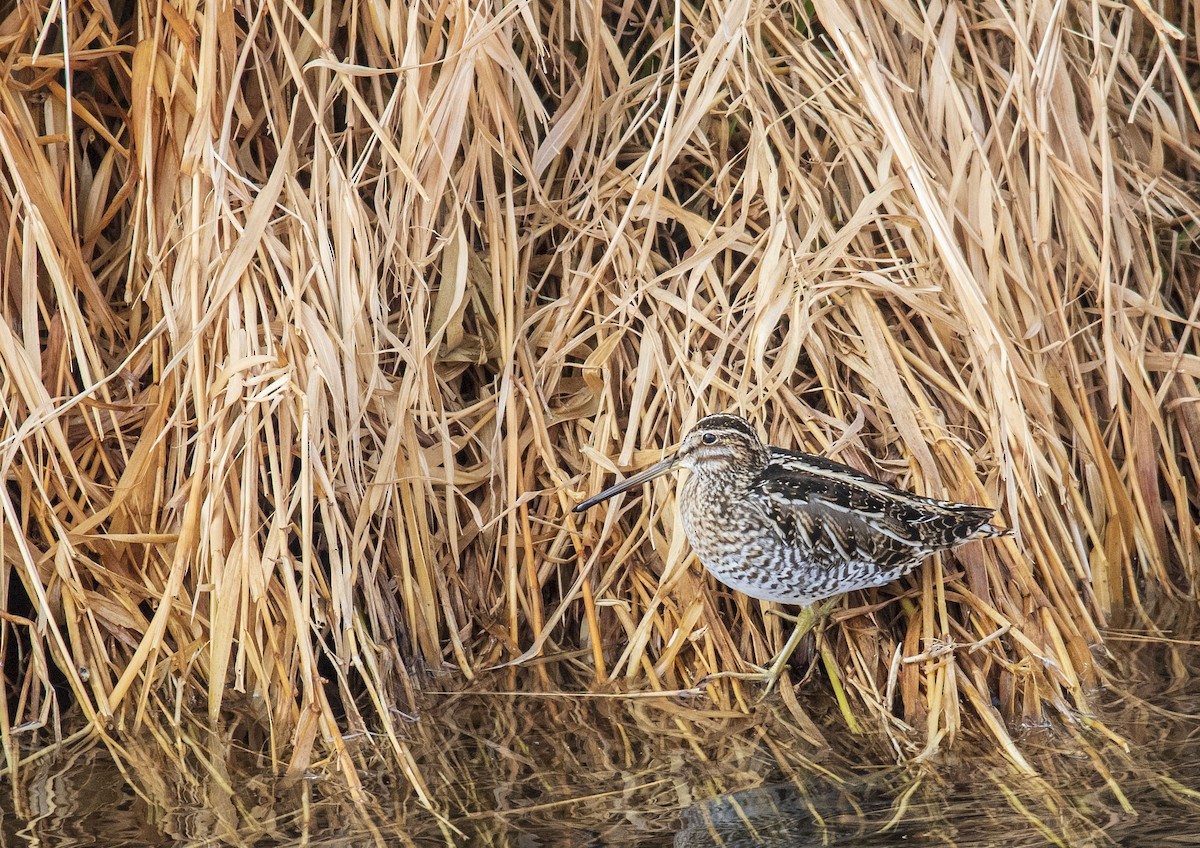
column 709, row 438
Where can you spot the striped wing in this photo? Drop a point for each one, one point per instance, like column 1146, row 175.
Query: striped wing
column 840, row 513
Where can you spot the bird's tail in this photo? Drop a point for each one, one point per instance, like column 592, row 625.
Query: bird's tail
column 988, row 530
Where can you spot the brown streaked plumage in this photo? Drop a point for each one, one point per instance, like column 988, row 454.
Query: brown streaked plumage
column 796, row 528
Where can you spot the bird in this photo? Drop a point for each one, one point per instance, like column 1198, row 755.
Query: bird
column 797, row 528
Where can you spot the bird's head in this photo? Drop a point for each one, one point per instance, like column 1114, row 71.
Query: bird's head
column 718, row 444
column 722, row 443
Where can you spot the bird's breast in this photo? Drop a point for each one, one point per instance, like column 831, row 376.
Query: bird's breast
column 734, row 540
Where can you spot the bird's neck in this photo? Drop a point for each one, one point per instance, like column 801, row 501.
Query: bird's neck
column 723, row 479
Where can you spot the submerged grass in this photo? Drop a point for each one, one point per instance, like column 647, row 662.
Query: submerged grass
column 508, row 763
column 316, row 325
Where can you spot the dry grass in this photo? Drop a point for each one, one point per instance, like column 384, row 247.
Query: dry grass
column 316, row 326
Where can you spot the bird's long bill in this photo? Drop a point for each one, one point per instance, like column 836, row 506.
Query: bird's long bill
column 638, row 479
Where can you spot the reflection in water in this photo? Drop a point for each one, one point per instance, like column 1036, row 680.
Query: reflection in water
column 782, row 814
column 522, row 769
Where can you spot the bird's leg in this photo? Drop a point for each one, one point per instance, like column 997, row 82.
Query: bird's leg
column 804, row 620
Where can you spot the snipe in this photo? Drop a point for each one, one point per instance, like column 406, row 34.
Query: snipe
column 796, row 528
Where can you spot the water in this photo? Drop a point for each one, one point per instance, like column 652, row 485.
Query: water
column 517, row 769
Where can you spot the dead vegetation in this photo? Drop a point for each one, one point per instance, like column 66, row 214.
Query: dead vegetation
column 316, row 326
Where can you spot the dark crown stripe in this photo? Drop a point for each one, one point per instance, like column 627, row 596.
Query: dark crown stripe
column 725, row 422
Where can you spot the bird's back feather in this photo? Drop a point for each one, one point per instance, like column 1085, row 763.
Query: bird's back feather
column 839, row 509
